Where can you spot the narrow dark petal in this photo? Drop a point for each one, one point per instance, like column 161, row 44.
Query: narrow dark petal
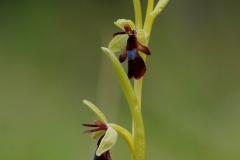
column 143, row 49
column 117, row 33
column 89, row 125
column 100, row 126
column 99, row 123
column 123, row 56
column 95, row 130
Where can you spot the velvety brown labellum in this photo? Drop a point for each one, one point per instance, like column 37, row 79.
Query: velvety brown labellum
column 136, row 67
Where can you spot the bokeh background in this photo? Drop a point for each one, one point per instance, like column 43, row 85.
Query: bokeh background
column 50, row 60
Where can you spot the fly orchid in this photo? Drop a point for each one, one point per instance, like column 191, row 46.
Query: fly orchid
column 130, row 41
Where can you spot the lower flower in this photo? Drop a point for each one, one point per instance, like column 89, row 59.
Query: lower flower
column 102, row 132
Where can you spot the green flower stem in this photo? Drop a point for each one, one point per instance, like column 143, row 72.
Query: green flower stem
column 138, row 90
column 149, row 8
column 152, row 15
column 138, row 93
column 138, row 83
column 138, row 14
column 125, row 134
column 140, row 147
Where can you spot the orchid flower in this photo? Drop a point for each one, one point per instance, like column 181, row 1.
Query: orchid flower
column 106, row 135
column 132, row 41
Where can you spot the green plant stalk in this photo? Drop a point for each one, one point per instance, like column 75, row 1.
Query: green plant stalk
column 149, row 9
column 138, row 133
column 138, row 127
column 150, row 16
column 138, row 14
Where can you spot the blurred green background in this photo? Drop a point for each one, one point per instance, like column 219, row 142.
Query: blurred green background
column 50, row 60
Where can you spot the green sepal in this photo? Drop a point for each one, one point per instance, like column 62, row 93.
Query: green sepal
column 107, row 141
column 121, row 23
column 96, row 111
column 118, row 43
column 97, row 135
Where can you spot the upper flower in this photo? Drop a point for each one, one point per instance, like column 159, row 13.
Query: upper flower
column 119, row 42
column 130, row 41
column 104, row 133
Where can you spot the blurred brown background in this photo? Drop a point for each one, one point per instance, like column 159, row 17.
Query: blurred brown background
column 50, row 60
